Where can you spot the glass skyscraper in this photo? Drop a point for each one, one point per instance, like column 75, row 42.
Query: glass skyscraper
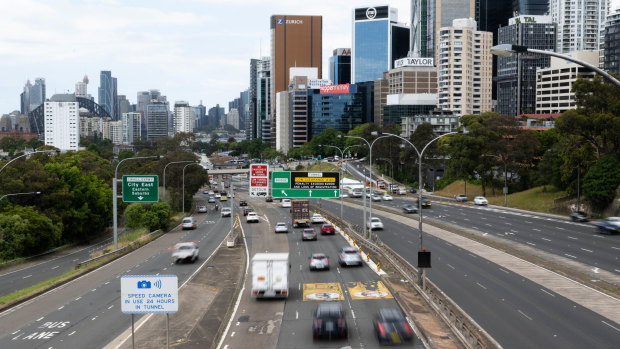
column 342, row 112
column 378, row 40
column 340, row 66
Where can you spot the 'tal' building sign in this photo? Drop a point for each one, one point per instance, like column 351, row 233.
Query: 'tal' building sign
column 333, row 89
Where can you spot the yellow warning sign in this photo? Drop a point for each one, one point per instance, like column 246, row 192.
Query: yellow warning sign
column 330, row 291
column 368, row 290
column 315, row 179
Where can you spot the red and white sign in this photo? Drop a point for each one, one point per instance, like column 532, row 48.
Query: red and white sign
column 259, row 180
column 331, row 89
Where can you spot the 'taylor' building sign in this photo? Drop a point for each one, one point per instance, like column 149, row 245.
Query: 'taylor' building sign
column 414, row 62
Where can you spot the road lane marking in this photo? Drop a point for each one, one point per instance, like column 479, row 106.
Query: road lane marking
column 535, row 229
column 571, row 256
column 481, row 285
column 504, row 270
column 107, row 283
column 39, row 319
column 296, row 314
column 15, row 332
column 487, row 224
column 546, row 239
column 78, row 298
column 522, row 313
column 587, row 250
column 27, row 276
column 55, row 267
column 473, row 255
column 72, row 333
column 528, row 222
column 615, row 328
column 552, row 295
column 94, row 289
column 61, row 307
column 572, row 238
column 111, row 306
column 93, row 319
column 615, row 248
column 232, row 334
column 451, row 266
column 529, row 243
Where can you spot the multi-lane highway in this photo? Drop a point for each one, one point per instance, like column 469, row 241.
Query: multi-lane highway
column 358, row 289
column 85, row 313
column 577, row 242
column 515, row 311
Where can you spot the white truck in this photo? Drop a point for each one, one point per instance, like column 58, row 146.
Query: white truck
column 270, row 275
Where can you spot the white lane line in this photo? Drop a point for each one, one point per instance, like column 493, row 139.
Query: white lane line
column 71, row 334
column 61, row 307
column 107, row 283
column 572, row 238
column 615, row 328
column 299, row 288
column 94, row 289
column 528, row 222
column 487, row 224
column 93, row 319
column 472, row 255
column 571, row 256
column 232, row 334
column 226, row 346
column 617, row 270
column 615, row 248
column 552, row 295
column 55, row 267
column 78, row 298
column 535, row 229
column 504, row 270
column 296, row 314
column 560, row 228
column 451, row 266
column 529, row 243
column 111, row 306
column 546, row 239
column 587, row 250
column 481, row 285
column 27, row 276
column 39, row 319
column 522, row 313
column 15, row 332
column 300, row 267
column 508, row 223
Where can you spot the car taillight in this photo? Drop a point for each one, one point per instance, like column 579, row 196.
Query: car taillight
column 326, row 260
column 342, row 255
column 318, row 323
column 312, row 261
column 381, row 329
column 284, row 291
column 408, row 328
column 255, row 292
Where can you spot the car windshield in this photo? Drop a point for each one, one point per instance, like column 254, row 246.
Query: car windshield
column 327, row 226
column 318, row 256
column 375, row 220
column 328, row 312
column 187, row 220
column 185, row 247
column 281, row 224
column 350, row 251
column 308, row 231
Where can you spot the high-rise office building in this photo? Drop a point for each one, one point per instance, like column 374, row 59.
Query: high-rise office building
column 580, row 24
column 530, row 7
column 612, row 43
column 183, row 117
column 131, row 127
column 378, row 40
column 244, row 107
column 465, row 68
column 123, row 105
column 62, row 127
column 232, row 118
column 33, row 95
column 340, row 66
column 157, row 120
column 114, row 131
column 24, row 98
column 108, row 97
column 215, row 116
column 516, row 75
column 81, row 88
column 200, row 115
column 441, row 13
column 250, row 124
column 263, row 99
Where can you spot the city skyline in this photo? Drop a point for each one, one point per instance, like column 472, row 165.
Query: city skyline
column 190, row 50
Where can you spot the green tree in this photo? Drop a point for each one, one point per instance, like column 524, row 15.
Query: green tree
column 601, row 182
column 133, row 215
column 27, row 232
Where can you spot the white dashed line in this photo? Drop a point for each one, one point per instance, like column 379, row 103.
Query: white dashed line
column 27, row 276
column 529, row 243
column 572, row 238
column 546, row 239
column 110, row 307
column 504, row 270
column 55, row 267
column 15, row 332
column 451, row 266
column 481, row 285
column 522, row 313
column 615, row 328
column 71, row 334
column 296, row 314
column 571, row 256
column 93, row 319
column 61, row 307
column 39, row 319
column 547, row 293
column 535, row 229
column 94, row 289
column 78, row 298
column 615, row 248
column 588, row 250
column 232, row 334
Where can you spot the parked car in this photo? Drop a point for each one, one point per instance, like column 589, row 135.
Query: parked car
column 281, row 227
column 392, row 327
column 409, row 208
column 327, row 229
column 268, row 198
column 242, row 203
column 308, row 234
column 319, row 261
column 349, row 256
column 426, row 202
column 247, row 210
column 317, row 218
column 374, row 223
column 285, row 203
column 387, row 197
column 202, row 209
column 226, row 212
column 481, row 200
column 252, row 217
column 610, row 225
column 185, row 251
column 188, row 223
column 329, row 322
column 579, row 216
column 461, row 198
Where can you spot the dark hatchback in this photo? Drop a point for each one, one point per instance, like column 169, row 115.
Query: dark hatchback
column 329, row 322
column 579, row 216
column 247, row 210
column 308, row 234
column 242, row 203
column 392, row 327
column 426, row 202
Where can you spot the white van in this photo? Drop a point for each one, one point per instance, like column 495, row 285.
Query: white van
column 356, row 192
column 270, row 275
column 286, row 203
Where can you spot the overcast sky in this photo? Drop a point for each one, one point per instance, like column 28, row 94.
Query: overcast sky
column 190, row 50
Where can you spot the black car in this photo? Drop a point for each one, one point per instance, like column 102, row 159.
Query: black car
column 412, row 190
column 409, row 208
column 392, row 327
column 242, row 203
column 269, row 198
column 247, row 210
column 579, row 216
column 329, row 322
column 426, row 202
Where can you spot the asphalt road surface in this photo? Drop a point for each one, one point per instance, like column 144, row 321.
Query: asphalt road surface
column 86, row 313
column 516, row 312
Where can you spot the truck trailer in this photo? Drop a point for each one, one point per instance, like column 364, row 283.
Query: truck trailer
column 300, row 213
column 270, row 275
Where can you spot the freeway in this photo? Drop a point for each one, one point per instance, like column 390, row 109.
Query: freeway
column 23, row 276
column 85, row 313
column 259, row 321
column 598, row 254
column 515, row 311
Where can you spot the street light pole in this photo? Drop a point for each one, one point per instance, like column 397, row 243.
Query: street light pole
column 508, row 50
column 170, row 163
column 115, row 196
column 364, row 200
column 15, row 194
column 369, row 224
column 28, row 154
column 183, row 190
column 341, row 174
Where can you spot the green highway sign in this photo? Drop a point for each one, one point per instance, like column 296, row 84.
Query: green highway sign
column 140, row 188
column 298, row 184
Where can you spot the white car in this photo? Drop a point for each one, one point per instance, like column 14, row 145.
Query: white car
column 218, row 195
column 211, row 192
column 185, row 251
column 202, row 209
column 281, row 227
column 286, row 203
column 374, row 223
column 188, row 223
column 317, row 218
column 480, row 200
column 402, row 191
column 226, row 211
column 252, row 217
column 387, row 197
